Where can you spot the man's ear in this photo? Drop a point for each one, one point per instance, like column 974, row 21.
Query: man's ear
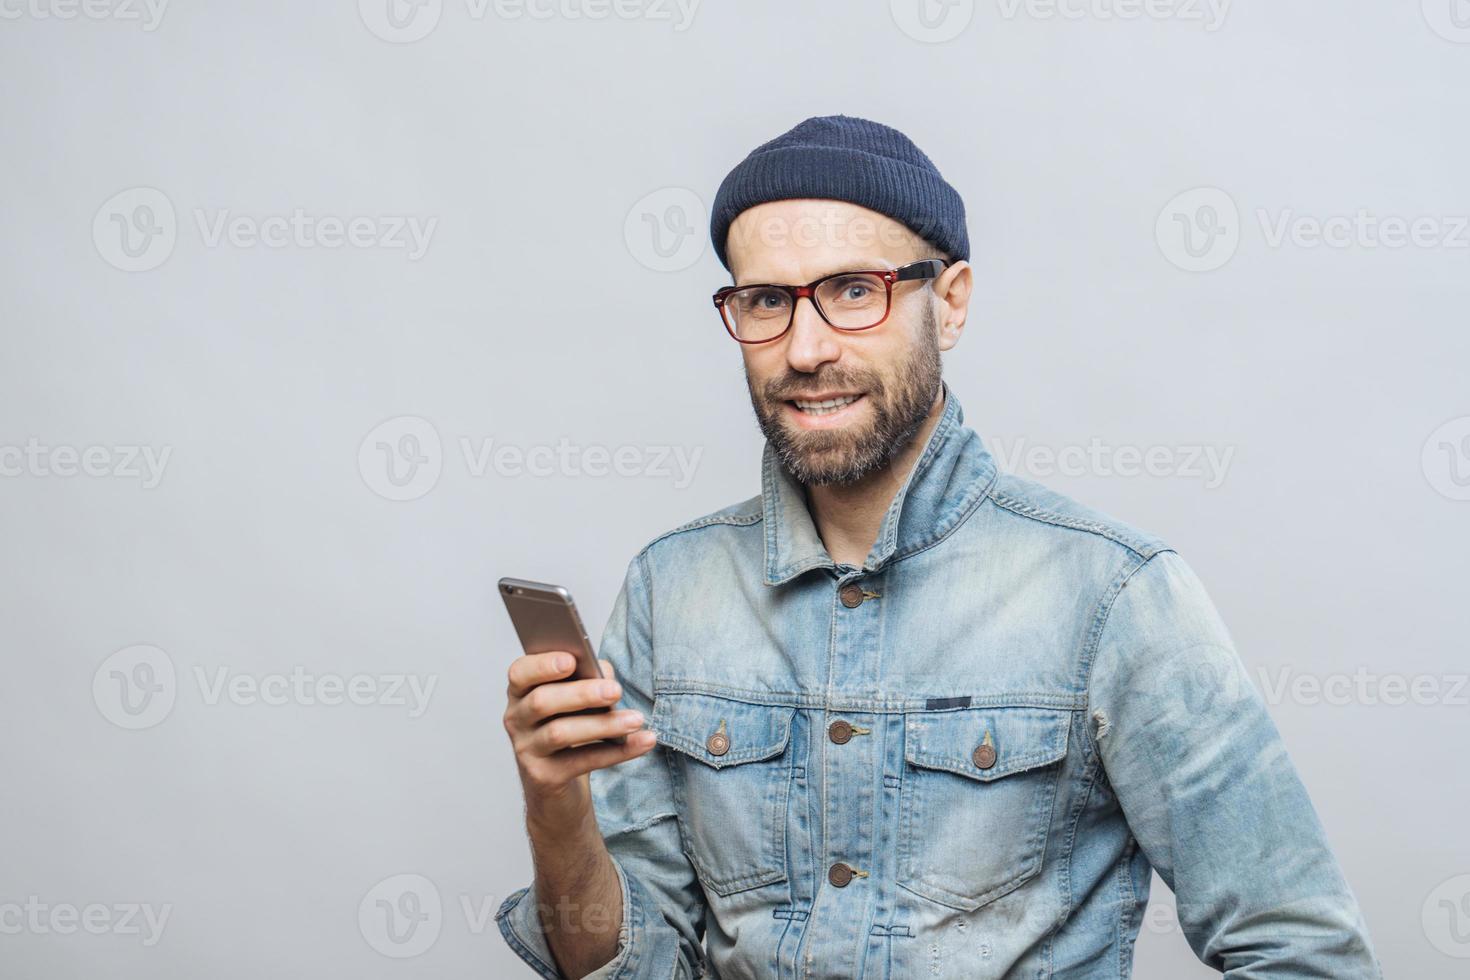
column 953, row 289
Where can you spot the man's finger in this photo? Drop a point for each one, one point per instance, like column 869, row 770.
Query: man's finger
column 531, row 669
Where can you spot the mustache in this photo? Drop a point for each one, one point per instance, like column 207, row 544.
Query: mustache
column 781, row 389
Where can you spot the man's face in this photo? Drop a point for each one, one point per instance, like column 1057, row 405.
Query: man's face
column 837, row 406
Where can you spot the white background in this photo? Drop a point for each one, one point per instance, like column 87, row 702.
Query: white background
column 543, row 149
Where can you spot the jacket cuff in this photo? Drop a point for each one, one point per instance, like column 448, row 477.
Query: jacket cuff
column 520, row 924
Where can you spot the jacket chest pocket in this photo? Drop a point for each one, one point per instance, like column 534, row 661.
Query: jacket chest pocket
column 731, row 775
column 977, row 795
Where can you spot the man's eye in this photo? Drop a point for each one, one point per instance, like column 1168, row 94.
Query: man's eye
column 855, row 290
column 767, row 299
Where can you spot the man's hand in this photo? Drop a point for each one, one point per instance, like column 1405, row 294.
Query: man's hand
column 551, row 746
column 556, row 751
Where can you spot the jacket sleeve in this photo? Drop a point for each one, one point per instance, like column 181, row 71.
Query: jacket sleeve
column 1203, row 779
column 663, row 905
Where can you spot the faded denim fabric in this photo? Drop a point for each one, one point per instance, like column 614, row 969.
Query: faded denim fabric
column 1120, row 730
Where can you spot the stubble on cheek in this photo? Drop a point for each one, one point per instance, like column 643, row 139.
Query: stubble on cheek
column 895, row 410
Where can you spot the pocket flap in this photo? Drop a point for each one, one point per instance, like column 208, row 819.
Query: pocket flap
column 1018, row 738
column 721, row 731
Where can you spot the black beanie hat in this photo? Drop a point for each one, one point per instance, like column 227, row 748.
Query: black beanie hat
column 845, row 158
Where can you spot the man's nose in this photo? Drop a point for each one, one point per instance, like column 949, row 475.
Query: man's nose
column 812, row 342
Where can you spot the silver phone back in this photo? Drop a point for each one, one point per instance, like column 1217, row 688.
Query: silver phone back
column 546, row 619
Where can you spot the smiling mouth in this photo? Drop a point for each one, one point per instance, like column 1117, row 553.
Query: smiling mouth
column 824, row 406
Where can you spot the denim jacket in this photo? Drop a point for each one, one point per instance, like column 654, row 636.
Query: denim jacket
column 962, row 759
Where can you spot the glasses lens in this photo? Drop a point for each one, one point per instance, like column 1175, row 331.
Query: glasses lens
column 758, row 313
column 853, row 302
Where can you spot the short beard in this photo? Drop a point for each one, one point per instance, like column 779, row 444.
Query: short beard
column 900, row 408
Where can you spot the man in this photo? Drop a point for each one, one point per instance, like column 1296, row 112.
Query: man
column 908, row 716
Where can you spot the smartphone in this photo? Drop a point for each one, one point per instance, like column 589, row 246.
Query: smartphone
column 545, row 618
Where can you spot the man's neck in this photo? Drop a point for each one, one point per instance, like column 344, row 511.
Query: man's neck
column 848, row 516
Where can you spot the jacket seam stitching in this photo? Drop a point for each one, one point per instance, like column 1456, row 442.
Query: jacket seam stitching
column 959, row 521
column 732, row 520
column 1016, row 506
column 1094, row 639
column 508, row 929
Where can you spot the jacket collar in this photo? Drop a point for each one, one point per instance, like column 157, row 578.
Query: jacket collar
column 953, row 474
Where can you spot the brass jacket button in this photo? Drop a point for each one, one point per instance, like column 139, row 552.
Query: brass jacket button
column 839, row 875
column 984, row 756
column 840, row 732
column 851, row 595
column 719, row 743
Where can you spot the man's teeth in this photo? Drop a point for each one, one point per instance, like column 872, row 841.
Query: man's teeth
column 826, row 407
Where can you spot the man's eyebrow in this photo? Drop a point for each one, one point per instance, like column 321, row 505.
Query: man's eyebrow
column 857, row 265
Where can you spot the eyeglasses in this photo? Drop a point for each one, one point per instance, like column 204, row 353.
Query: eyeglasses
column 848, row 301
